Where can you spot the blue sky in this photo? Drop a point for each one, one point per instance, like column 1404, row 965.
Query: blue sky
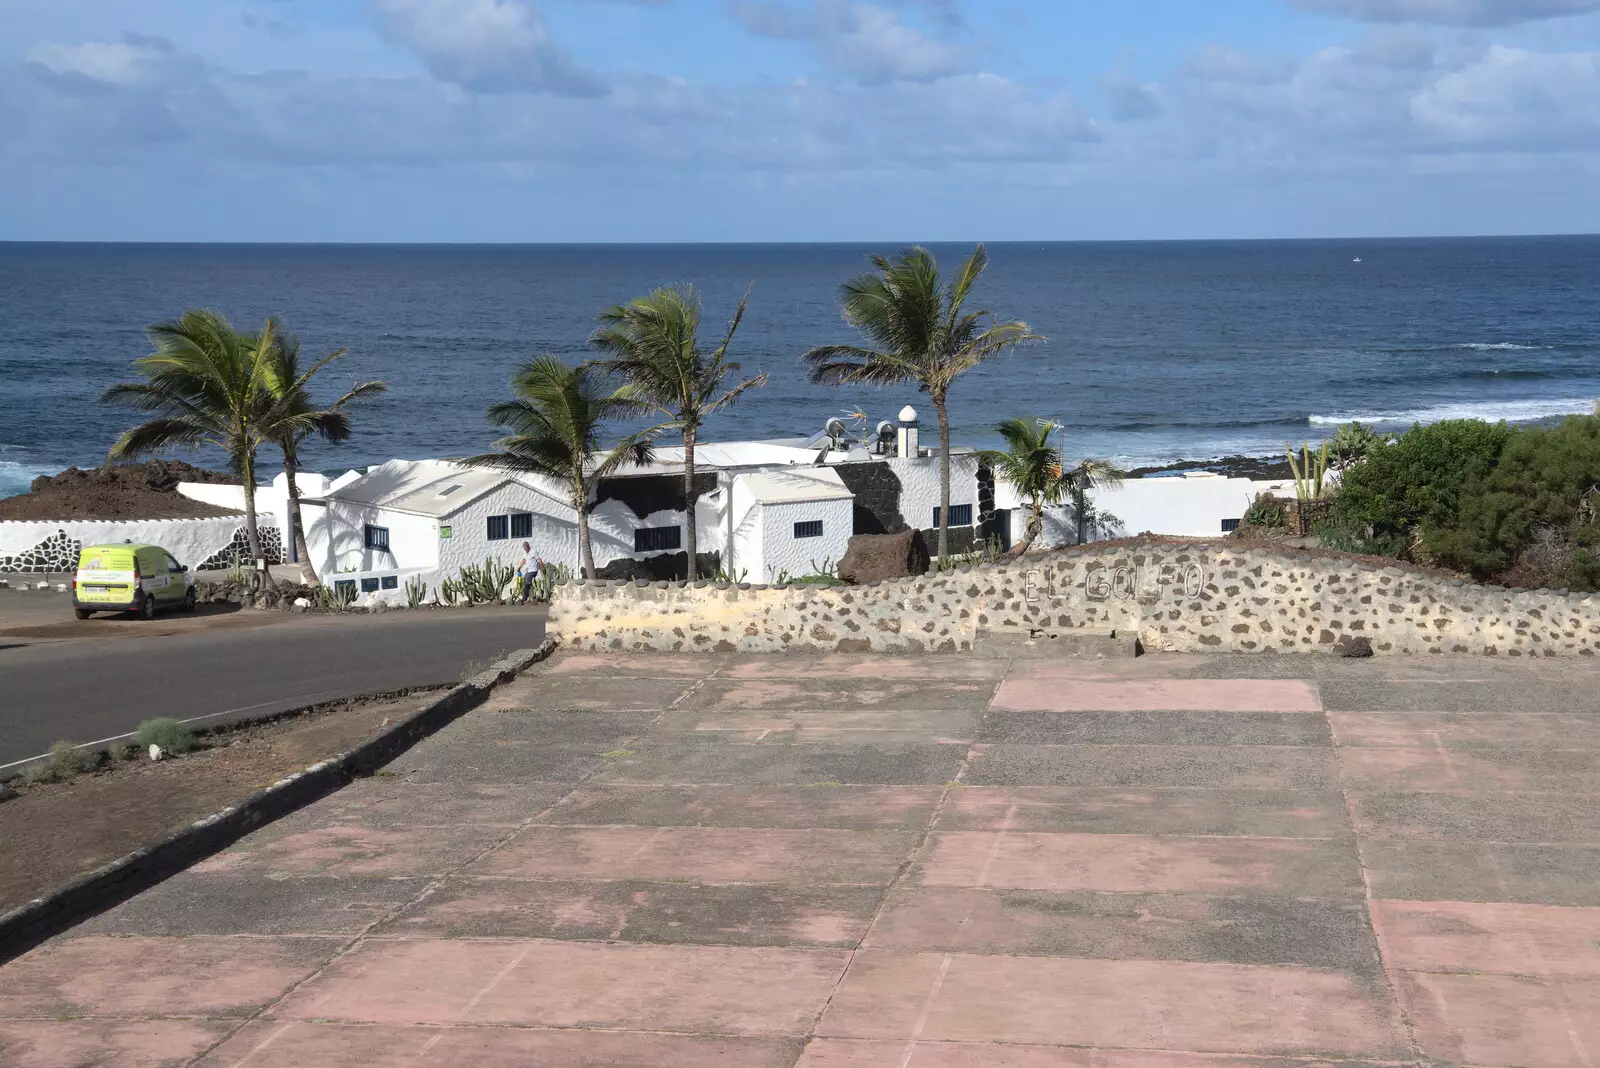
column 796, row 120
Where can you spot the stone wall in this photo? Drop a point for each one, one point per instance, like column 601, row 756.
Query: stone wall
column 36, row 547
column 1176, row 597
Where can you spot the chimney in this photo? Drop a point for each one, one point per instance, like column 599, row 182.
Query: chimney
column 906, row 440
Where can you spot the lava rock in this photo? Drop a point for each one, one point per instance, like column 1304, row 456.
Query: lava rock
column 1352, row 647
column 875, row 557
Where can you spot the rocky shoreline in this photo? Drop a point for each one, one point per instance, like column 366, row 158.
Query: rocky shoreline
column 1259, row 468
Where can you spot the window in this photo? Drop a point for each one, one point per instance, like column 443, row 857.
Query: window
column 345, row 589
column 657, row 539
column 960, row 515
column 522, row 524
column 811, row 528
column 1230, row 525
column 391, row 582
column 369, row 585
column 498, row 528
column 378, row 538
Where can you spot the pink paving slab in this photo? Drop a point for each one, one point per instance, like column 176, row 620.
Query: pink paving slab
column 852, row 1053
column 1157, row 695
column 701, row 854
column 276, row 1044
column 124, row 1043
column 1504, row 1020
column 1133, row 863
column 1547, row 941
column 355, row 850
column 1219, row 1008
column 698, row 989
column 1429, row 730
column 104, row 976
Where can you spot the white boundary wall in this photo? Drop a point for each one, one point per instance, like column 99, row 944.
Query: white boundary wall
column 191, row 541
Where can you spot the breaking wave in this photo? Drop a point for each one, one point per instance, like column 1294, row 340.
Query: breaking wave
column 1528, row 411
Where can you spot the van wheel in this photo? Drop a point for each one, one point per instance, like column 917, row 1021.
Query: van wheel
column 147, row 608
column 188, row 600
column 82, row 613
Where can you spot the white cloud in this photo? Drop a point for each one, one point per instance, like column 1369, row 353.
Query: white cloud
column 133, row 60
column 1450, row 12
column 871, row 43
column 1515, row 98
column 490, row 46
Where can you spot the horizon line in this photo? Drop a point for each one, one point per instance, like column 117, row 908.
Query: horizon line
column 801, row 244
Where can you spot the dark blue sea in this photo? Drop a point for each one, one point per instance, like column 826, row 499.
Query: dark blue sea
column 1156, row 352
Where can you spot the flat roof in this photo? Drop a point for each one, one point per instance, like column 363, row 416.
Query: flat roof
column 802, row 484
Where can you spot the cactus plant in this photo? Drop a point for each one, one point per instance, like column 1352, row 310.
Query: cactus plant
column 416, row 590
column 1310, row 471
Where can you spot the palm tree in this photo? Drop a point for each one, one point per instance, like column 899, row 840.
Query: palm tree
column 1032, row 464
column 651, row 343
column 1077, row 483
column 296, row 417
column 921, row 333
column 205, row 380
column 554, row 421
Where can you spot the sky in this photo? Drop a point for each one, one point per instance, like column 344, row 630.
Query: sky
column 796, row 120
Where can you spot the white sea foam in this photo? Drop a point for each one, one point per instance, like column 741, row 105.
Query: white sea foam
column 16, row 478
column 1500, row 346
column 1526, row 411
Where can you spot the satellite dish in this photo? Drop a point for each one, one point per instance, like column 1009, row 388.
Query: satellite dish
column 834, row 429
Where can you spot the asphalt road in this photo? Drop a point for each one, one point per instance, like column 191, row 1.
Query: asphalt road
column 70, row 681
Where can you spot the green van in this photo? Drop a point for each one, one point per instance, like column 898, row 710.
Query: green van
column 130, row 578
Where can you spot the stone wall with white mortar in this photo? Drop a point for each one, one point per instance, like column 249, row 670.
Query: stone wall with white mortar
column 1176, row 597
column 51, row 546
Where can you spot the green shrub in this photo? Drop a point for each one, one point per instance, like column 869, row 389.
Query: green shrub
column 1266, row 512
column 1415, row 482
column 124, row 751
column 1536, row 507
column 172, row 736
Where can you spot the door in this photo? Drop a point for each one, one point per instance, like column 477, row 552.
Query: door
column 181, row 579
column 154, row 578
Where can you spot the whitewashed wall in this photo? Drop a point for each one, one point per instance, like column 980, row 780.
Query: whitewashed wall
column 271, row 498
column 1181, row 507
column 919, row 486
column 336, row 536
column 190, row 541
column 781, row 551
column 554, row 537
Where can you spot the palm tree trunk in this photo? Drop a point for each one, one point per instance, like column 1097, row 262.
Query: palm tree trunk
column 1035, row 526
column 944, row 476
column 1080, row 505
column 690, row 539
column 291, row 467
column 585, row 548
column 247, row 471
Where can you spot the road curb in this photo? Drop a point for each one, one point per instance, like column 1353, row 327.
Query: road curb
column 28, row 925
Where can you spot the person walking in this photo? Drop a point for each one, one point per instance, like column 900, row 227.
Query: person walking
column 528, row 569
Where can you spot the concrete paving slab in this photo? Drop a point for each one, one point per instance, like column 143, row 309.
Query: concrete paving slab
column 638, row 911
column 1158, row 695
column 1482, row 817
column 516, row 722
column 1503, row 1020
column 296, row 1044
column 1113, row 810
column 1478, row 871
column 693, row 989
column 817, row 694
column 1154, row 766
column 1381, row 693
column 633, row 665
column 124, row 1043
column 209, row 903
column 389, row 802
column 601, row 693
column 100, row 975
column 836, row 666
column 1541, row 941
column 700, row 854
column 470, row 760
column 1140, row 864
column 834, row 724
column 1257, row 929
column 346, row 850
column 1155, row 728
column 856, row 1053
column 1468, row 730
column 819, row 805
column 1122, row 1004
column 691, row 758
column 1480, row 770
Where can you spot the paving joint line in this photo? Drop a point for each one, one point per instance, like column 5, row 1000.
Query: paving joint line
column 957, row 782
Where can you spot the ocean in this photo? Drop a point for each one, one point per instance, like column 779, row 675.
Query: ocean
column 1157, row 351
